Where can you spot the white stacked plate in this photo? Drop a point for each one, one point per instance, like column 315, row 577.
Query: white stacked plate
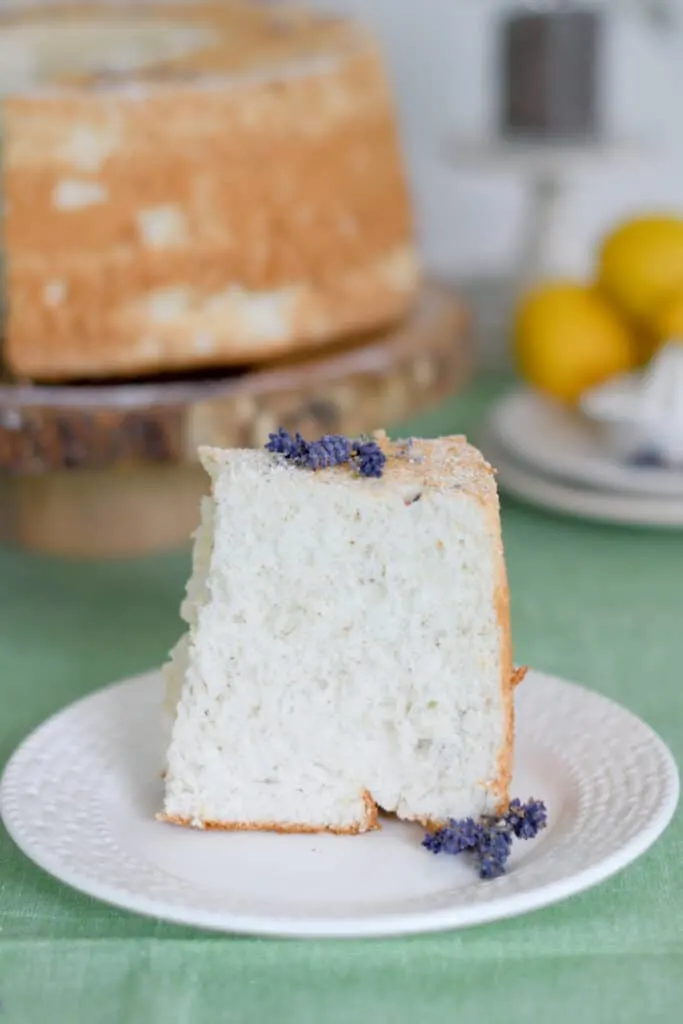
column 553, row 457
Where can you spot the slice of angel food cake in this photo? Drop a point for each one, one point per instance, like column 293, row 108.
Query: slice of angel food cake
column 348, row 643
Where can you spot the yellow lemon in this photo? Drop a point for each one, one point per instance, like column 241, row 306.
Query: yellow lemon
column 640, row 262
column 666, row 323
column 568, row 337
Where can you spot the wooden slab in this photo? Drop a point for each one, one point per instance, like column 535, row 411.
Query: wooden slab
column 111, row 470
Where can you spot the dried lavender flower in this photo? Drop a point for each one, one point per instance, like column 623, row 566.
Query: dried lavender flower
column 527, row 820
column 329, row 450
column 454, row 837
column 493, row 850
column 280, row 443
column 647, row 459
column 369, row 458
column 490, row 838
column 293, row 448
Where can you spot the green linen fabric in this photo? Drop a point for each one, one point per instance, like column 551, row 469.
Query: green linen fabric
column 598, row 604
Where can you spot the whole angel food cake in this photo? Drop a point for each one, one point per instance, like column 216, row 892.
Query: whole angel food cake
column 189, row 185
column 348, row 640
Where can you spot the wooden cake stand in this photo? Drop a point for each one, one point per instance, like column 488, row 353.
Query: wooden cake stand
column 111, row 470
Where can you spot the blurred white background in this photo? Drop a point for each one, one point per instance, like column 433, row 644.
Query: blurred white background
column 442, row 55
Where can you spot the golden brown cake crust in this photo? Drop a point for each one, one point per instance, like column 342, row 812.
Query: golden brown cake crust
column 241, row 36
column 369, row 823
column 214, row 221
column 508, row 676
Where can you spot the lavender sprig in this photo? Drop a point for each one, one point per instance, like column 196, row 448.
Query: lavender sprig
column 466, row 836
column 493, row 850
column 647, row 459
column 527, row 820
column 329, row 450
column 490, row 838
column 282, row 443
column 369, row 458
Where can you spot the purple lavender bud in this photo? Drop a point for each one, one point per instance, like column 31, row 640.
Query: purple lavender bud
column 433, row 841
column 527, row 820
column 647, row 459
column 329, row 450
column 369, row 458
column 338, row 448
column 280, row 443
column 462, row 835
column 490, row 838
column 298, row 452
column 455, row 837
column 315, row 456
column 493, row 851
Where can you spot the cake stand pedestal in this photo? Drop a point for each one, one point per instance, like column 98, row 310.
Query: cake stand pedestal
column 546, row 168
column 111, row 470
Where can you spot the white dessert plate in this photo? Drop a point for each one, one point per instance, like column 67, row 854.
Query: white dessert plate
column 565, row 445
column 624, row 509
column 80, row 794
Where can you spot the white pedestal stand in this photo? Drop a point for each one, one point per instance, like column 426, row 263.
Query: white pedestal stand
column 546, row 168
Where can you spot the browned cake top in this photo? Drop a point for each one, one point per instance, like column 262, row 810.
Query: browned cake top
column 101, row 46
column 415, row 464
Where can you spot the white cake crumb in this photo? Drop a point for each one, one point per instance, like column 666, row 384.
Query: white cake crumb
column 347, row 645
column 74, row 194
column 55, row 292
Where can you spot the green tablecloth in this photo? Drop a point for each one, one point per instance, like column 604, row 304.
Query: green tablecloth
column 596, row 604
